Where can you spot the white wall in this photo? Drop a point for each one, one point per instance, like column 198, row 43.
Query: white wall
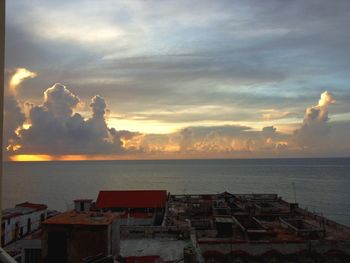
column 10, row 224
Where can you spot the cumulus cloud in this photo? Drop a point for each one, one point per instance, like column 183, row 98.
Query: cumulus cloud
column 14, row 117
column 229, row 140
column 315, row 128
column 57, row 129
column 60, row 102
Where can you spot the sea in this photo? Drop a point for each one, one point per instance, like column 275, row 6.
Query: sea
column 319, row 185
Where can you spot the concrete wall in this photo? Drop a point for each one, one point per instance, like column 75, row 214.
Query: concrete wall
column 321, row 248
column 115, row 238
column 253, row 249
column 133, row 221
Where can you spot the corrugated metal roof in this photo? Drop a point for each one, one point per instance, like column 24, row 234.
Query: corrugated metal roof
column 132, row 199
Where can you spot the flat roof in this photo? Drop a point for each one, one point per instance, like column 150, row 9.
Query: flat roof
column 82, row 218
column 168, row 249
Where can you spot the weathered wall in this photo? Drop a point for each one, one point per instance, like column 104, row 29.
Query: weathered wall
column 21, row 220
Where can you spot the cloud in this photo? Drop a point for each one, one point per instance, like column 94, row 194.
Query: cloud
column 18, row 77
column 227, row 140
column 186, row 139
column 56, row 129
column 14, row 117
column 315, row 128
column 158, row 55
column 60, row 102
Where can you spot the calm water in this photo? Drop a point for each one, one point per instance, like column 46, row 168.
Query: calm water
column 321, row 185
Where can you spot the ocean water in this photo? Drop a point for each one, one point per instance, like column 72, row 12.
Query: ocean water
column 320, row 185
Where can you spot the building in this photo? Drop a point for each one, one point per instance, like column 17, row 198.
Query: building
column 83, row 205
column 73, row 236
column 258, row 228
column 137, row 207
column 155, row 244
column 21, row 220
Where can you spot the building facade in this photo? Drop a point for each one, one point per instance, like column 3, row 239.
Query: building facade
column 21, row 220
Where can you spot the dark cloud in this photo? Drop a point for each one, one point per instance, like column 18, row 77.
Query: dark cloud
column 249, row 54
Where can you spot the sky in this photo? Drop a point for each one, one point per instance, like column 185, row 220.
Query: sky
column 115, row 79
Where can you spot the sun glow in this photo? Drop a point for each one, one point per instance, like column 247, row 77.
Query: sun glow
column 30, row 157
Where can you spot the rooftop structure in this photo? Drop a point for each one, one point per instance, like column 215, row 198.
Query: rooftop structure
column 138, row 207
column 197, row 228
column 253, row 227
column 83, row 205
column 132, row 199
column 152, row 244
column 22, row 209
column 82, row 218
column 73, row 236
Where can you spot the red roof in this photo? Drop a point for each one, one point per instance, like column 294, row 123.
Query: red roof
column 37, row 207
column 132, row 199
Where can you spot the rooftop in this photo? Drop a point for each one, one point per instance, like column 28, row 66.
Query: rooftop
column 253, row 217
column 82, row 218
column 37, row 207
column 22, row 209
column 167, row 249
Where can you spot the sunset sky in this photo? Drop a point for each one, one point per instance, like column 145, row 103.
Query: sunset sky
column 176, row 79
